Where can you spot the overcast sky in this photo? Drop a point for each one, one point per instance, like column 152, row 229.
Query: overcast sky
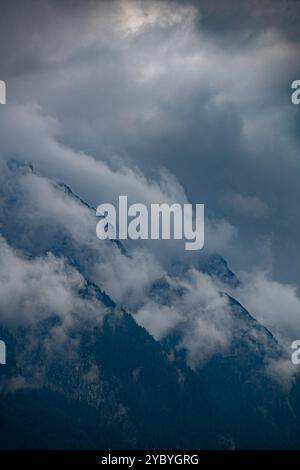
column 190, row 100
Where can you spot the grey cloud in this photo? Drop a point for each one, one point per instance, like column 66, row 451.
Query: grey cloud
column 275, row 305
column 36, row 289
column 58, row 222
column 249, row 205
column 170, row 95
column 201, row 314
column 103, row 98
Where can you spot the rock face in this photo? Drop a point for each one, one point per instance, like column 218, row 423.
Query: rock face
column 99, row 380
column 217, row 267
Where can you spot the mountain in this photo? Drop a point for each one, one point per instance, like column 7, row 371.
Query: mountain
column 253, row 411
column 95, row 378
column 118, row 391
column 217, row 267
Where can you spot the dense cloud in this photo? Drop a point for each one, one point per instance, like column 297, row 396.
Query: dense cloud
column 151, row 85
column 163, row 101
column 34, row 290
column 275, row 305
column 201, row 313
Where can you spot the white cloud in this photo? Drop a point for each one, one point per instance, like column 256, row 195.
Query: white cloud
column 123, row 77
column 36, row 289
column 275, row 305
column 66, row 225
column 29, row 135
column 200, row 314
column 136, row 15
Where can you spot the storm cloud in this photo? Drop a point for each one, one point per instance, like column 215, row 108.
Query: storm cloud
column 163, row 101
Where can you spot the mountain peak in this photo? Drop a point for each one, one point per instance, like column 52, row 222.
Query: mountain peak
column 217, row 267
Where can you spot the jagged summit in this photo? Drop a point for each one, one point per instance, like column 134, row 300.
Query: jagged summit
column 216, row 266
column 90, row 377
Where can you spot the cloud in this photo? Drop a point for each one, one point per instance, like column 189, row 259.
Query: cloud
column 197, row 311
column 231, row 19
column 36, row 289
column 137, row 16
column 148, row 85
column 47, row 217
column 32, row 138
column 163, row 101
column 249, row 205
column 275, row 305
column 283, row 372
column 44, row 308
